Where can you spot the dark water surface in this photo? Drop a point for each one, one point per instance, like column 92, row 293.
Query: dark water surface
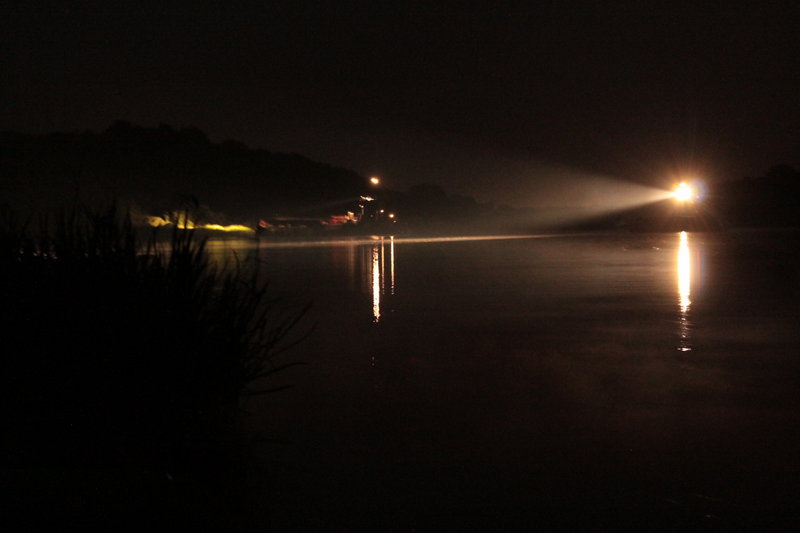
column 592, row 381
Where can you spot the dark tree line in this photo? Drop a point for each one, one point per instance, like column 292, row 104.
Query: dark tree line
column 770, row 200
column 156, row 170
column 151, row 167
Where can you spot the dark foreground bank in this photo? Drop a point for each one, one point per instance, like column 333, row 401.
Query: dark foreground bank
column 124, row 364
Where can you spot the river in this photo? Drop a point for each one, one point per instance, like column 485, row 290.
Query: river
column 567, row 381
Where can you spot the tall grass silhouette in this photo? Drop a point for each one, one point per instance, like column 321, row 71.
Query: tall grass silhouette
column 123, row 349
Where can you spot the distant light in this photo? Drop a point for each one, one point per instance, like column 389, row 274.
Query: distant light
column 374, row 180
column 231, row 227
column 157, row 222
column 684, row 192
column 367, row 198
column 185, row 223
column 391, row 215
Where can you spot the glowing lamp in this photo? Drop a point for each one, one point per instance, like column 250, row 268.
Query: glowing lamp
column 684, row 192
column 374, row 180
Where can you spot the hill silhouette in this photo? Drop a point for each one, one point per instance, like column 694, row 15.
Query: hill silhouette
column 161, row 169
column 153, row 168
column 771, row 200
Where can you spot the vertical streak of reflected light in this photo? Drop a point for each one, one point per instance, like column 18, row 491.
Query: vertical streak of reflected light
column 684, row 291
column 383, row 267
column 391, row 262
column 376, row 285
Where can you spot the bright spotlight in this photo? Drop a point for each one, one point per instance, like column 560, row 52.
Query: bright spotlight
column 374, row 180
column 684, row 192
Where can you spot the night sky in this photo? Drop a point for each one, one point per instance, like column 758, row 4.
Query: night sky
column 492, row 101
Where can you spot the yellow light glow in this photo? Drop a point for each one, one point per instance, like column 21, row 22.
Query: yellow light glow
column 374, row 180
column 157, row 222
column 184, row 223
column 391, row 215
column 231, row 227
column 684, row 192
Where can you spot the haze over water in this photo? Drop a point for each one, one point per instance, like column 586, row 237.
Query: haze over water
column 643, row 380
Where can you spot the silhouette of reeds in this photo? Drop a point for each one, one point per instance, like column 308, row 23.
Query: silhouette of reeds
column 120, row 349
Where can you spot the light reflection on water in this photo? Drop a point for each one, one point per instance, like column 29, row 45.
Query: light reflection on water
column 567, row 343
column 366, row 259
column 391, row 254
column 378, row 274
column 377, row 266
column 371, row 265
column 684, row 291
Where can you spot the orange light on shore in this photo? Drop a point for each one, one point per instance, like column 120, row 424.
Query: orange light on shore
column 684, row 192
column 374, row 180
